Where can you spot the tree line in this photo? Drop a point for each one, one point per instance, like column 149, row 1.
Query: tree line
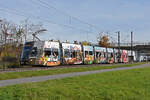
column 12, row 37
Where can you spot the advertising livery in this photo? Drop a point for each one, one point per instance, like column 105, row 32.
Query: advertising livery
column 88, row 54
column 116, row 54
column 45, row 53
column 72, row 53
column 100, row 55
column 110, row 54
column 49, row 53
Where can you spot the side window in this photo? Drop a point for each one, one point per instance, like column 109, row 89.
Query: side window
column 47, row 53
column 104, row 54
column 97, row 54
column 111, row 54
column 78, row 53
column 74, row 54
column 86, row 53
column 66, row 53
column 100, row 54
column 90, row 53
column 55, row 53
column 34, row 52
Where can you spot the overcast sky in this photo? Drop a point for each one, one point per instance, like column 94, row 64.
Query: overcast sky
column 105, row 16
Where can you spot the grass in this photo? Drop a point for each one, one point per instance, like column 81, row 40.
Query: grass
column 120, row 85
column 15, row 75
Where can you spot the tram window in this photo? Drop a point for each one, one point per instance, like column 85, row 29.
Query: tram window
column 26, row 53
column 98, row 54
column 111, row 54
column 116, row 54
column 66, row 53
column 47, row 53
column 71, row 54
column 55, row 52
column 86, row 53
column 90, row 53
column 104, row 54
column 74, row 54
column 34, row 52
column 78, row 53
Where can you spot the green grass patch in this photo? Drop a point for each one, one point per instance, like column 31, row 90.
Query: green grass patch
column 14, row 75
column 120, row 85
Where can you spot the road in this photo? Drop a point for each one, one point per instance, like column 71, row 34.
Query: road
column 60, row 76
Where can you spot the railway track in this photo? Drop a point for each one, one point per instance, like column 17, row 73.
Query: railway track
column 37, row 68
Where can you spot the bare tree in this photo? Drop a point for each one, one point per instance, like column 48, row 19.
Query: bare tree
column 6, row 29
column 13, row 33
column 18, row 32
column 29, row 29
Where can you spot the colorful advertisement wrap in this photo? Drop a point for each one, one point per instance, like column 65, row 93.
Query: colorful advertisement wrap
column 100, row 55
column 124, row 56
column 116, row 52
column 88, row 54
column 51, row 54
column 72, row 53
column 110, row 55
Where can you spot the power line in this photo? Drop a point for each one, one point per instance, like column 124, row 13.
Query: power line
column 48, row 6
column 13, row 12
column 19, row 13
column 44, row 4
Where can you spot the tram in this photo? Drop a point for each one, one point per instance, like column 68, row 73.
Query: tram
column 49, row 53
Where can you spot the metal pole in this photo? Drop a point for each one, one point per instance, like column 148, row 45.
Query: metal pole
column 26, row 30
column 132, row 44
column 119, row 46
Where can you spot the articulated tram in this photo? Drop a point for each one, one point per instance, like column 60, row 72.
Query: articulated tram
column 49, row 53
column 71, row 53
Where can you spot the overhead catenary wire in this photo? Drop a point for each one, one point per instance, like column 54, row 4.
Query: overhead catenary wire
column 44, row 4
column 48, row 6
column 23, row 14
column 64, row 25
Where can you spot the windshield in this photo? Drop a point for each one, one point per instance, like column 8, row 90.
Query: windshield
column 33, row 52
column 26, row 52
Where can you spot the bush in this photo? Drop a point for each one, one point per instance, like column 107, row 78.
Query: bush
column 9, row 62
column 9, row 57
